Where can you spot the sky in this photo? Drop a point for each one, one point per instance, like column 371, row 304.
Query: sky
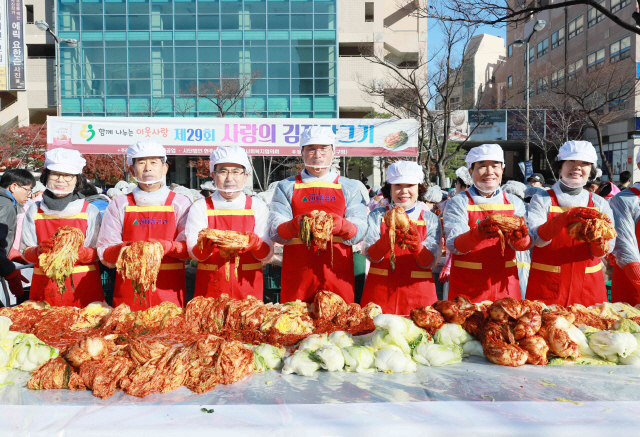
column 435, row 35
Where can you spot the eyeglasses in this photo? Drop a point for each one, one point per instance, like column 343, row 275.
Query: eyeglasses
column 234, row 174
column 64, row 177
column 28, row 190
column 319, row 150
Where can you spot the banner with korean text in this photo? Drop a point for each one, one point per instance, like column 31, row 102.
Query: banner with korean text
column 259, row 136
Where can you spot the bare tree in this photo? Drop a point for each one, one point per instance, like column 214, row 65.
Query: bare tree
column 426, row 95
column 497, row 12
column 601, row 96
column 552, row 123
column 226, row 93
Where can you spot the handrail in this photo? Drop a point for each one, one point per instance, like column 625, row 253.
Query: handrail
column 393, row 30
column 2, row 108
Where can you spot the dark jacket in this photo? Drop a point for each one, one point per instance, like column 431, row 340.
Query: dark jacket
column 8, row 221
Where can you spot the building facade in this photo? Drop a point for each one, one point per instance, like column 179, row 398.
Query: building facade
column 20, row 108
column 576, row 42
column 382, row 27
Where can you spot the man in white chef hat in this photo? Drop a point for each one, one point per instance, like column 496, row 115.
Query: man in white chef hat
column 480, row 269
column 625, row 281
column 229, row 209
column 151, row 212
column 307, row 270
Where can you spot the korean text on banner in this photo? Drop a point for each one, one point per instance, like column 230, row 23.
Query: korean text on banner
column 266, row 136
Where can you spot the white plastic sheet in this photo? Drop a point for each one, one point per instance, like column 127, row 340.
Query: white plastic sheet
column 441, row 401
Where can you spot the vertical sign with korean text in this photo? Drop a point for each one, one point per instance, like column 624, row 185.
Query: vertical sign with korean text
column 3, row 46
column 15, row 32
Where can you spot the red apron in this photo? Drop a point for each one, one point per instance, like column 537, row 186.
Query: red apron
column 408, row 286
column 484, row 273
column 564, row 272
column 211, row 280
column 622, row 290
column 307, row 270
column 142, row 223
column 86, row 277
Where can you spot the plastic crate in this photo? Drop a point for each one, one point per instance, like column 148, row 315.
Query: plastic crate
column 271, row 295
column 608, row 285
column 359, row 267
column 272, row 276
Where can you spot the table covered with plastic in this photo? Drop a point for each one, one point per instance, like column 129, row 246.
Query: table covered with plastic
column 474, row 396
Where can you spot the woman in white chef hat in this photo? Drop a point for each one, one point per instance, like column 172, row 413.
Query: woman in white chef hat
column 480, row 270
column 62, row 205
column 410, row 284
column 563, row 270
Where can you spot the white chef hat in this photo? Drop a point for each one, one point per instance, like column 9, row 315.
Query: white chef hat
column 64, row 160
column 578, row 151
column 463, row 173
column 145, row 149
column 434, row 194
column 405, row 172
column 322, row 135
column 208, row 186
column 515, row 187
column 229, row 155
column 485, row 152
column 122, row 186
column 38, row 187
column 638, row 157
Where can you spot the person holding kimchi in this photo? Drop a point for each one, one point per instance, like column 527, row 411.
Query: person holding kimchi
column 484, row 227
column 229, row 209
column 400, row 277
column 153, row 213
column 63, row 205
column 625, row 281
column 564, row 269
column 336, row 206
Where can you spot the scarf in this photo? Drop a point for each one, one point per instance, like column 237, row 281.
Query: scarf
column 59, row 203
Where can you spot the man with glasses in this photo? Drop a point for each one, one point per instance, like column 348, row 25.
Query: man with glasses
column 15, row 189
column 308, row 270
column 150, row 212
column 229, row 209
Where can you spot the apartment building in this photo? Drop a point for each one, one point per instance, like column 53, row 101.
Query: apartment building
column 37, row 100
column 386, row 27
column 579, row 40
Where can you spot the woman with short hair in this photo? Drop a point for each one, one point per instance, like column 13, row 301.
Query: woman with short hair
column 565, row 271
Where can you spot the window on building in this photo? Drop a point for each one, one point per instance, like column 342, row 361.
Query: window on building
column 594, row 16
column 595, row 60
column 510, row 82
column 368, row 12
column 557, row 38
column 616, row 5
column 543, row 47
column 531, row 89
column 557, row 78
column 41, row 51
column 620, row 50
column 619, row 99
column 576, row 26
column 510, row 50
column 29, row 9
column 574, row 68
column 554, row 79
column 532, row 54
column 542, row 84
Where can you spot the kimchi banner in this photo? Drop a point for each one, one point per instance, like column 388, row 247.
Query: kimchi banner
column 259, row 136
